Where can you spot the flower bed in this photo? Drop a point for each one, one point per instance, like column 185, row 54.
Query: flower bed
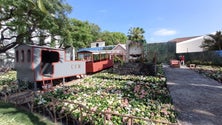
column 214, row 72
column 7, row 77
column 6, row 80
column 139, row 96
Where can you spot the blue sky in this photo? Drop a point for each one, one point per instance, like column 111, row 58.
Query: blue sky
column 162, row 20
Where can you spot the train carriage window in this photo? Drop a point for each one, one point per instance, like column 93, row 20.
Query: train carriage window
column 29, row 55
column 85, row 56
column 96, row 57
column 17, row 56
column 103, row 56
column 23, row 56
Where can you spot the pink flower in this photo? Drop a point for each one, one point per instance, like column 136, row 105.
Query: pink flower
column 143, row 92
column 125, row 102
column 137, row 88
column 108, row 116
column 94, row 109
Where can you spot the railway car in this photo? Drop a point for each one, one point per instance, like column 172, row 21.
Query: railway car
column 44, row 64
column 96, row 60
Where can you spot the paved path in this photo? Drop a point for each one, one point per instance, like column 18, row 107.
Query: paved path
column 197, row 99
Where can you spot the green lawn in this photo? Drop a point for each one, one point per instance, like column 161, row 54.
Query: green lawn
column 11, row 115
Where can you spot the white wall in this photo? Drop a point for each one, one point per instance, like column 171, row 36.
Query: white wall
column 100, row 44
column 191, row 45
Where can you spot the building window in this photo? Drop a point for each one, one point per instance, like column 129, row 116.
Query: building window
column 23, row 56
column 17, row 56
column 29, row 55
column 97, row 44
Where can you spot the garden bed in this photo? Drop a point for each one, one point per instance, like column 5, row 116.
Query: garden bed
column 107, row 98
column 110, row 98
column 214, row 72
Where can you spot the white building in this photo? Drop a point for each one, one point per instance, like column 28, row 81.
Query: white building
column 98, row 44
column 190, row 45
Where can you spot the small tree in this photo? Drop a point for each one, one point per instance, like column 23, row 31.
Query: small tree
column 136, row 34
column 213, row 42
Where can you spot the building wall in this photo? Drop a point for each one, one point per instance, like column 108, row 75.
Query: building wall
column 120, row 51
column 191, row 45
column 97, row 44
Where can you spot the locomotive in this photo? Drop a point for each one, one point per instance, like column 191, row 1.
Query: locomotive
column 42, row 65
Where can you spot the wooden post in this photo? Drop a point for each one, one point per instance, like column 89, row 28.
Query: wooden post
column 63, row 81
column 54, row 111
column 35, row 87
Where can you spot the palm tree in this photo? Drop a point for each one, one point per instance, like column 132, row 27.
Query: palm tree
column 213, row 42
column 136, row 34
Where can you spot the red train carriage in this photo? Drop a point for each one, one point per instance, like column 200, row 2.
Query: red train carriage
column 96, row 60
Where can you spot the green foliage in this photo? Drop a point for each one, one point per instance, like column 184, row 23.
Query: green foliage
column 113, row 38
column 23, row 20
column 41, row 6
column 141, row 96
column 136, row 34
column 82, row 33
column 164, row 52
column 214, row 72
column 213, row 42
column 203, row 58
column 7, row 78
column 118, row 60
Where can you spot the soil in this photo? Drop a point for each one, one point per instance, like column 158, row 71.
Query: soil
column 197, row 99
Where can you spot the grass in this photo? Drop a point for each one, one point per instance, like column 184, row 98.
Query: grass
column 12, row 115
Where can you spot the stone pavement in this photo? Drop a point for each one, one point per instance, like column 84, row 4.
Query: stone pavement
column 197, row 99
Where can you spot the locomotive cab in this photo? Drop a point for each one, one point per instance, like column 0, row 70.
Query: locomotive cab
column 47, row 58
column 41, row 64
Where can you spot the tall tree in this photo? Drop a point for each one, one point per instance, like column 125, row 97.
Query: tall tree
column 23, row 21
column 82, row 33
column 213, row 41
column 113, row 38
column 136, row 34
column 95, row 31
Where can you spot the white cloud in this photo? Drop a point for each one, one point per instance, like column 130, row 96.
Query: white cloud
column 165, row 32
column 103, row 11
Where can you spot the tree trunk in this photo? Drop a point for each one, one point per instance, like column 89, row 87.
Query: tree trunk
column 3, row 49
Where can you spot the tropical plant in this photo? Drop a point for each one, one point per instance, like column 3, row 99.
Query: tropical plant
column 136, row 34
column 213, row 41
